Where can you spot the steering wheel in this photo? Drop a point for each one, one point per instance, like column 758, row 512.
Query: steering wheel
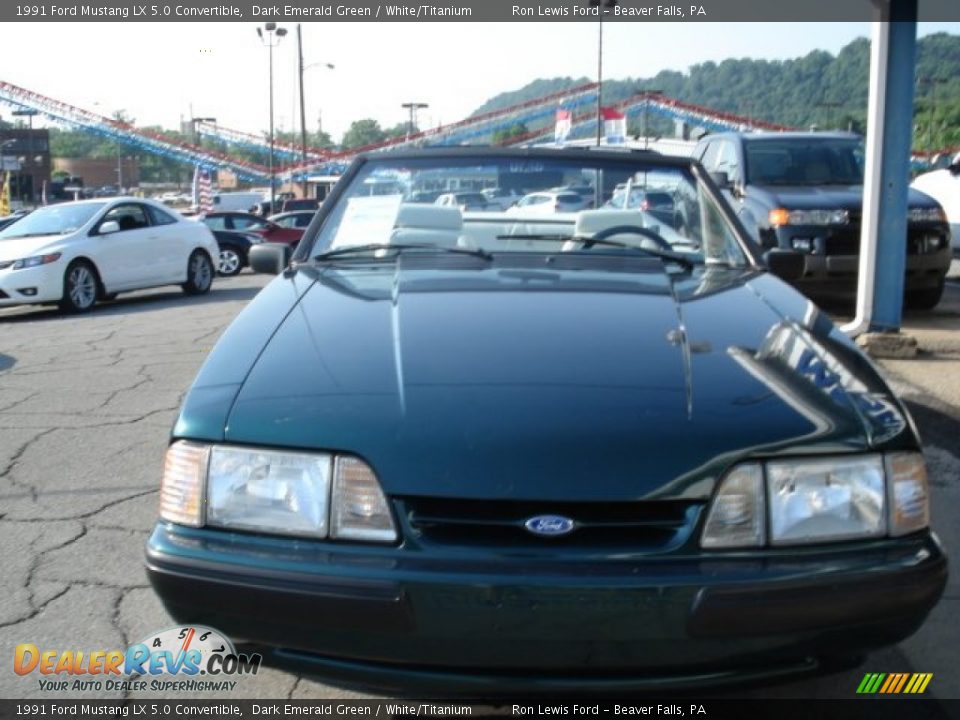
column 628, row 230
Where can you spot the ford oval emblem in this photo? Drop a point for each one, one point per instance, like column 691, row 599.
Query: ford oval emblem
column 549, row 525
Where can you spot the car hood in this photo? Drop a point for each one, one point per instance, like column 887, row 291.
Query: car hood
column 801, row 197
column 16, row 248
column 509, row 382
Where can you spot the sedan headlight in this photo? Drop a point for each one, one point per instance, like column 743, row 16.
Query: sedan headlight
column 926, row 214
column 782, row 216
column 828, row 499
column 818, row 500
column 35, row 261
column 276, row 492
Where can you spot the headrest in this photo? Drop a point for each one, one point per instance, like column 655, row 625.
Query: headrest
column 428, row 217
column 590, row 222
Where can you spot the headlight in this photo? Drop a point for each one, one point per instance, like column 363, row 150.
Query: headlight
column 782, row 216
column 830, row 499
column 926, row 214
column 270, row 491
column 276, row 492
column 35, row 261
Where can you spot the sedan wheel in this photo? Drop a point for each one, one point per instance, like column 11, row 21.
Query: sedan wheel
column 230, row 261
column 199, row 274
column 79, row 288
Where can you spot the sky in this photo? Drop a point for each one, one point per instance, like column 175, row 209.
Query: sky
column 159, row 73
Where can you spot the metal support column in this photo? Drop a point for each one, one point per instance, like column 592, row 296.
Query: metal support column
column 883, row 242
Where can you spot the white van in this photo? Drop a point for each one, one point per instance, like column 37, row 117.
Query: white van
column 236, row 201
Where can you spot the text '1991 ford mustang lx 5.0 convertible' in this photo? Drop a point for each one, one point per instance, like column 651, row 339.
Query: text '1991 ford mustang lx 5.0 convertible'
column 479, row 451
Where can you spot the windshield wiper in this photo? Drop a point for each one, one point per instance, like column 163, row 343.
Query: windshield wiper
column 588, row 241
column 397, row 247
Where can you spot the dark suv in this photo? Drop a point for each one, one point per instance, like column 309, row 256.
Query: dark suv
column 804, row 191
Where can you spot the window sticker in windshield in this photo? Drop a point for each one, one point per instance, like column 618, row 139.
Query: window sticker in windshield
column 367, row 219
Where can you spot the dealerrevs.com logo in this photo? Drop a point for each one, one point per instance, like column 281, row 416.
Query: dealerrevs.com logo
column 185, row 658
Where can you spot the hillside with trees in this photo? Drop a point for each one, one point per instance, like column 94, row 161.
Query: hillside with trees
column 829, row 91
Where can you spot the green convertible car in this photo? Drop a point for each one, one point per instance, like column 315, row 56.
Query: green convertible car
column 480, row 451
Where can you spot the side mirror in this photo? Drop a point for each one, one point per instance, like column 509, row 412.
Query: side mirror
column 108, row 227
column 722, row 180
column 269, row 258
column 954, row 168
column 787, row 265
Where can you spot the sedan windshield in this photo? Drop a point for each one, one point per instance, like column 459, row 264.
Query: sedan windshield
column 53, row 220
column 685, row 221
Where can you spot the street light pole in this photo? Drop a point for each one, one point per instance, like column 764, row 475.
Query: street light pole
column 274, row 35
column 646, row 107
column 303, row 110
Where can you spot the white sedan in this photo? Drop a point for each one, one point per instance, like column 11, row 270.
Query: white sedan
column 77, row 253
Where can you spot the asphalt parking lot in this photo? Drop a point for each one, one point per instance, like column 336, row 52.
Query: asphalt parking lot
column 86, row 404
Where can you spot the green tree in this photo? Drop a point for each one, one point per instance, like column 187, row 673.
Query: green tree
column 363, row 132
column 504, row 135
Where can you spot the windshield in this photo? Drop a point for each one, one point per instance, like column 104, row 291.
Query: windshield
column 53, row 220
column 684, row 219
column 805, row 161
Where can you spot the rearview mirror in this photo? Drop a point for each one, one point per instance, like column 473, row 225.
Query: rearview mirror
column 269, row 258
column 110, row 226
column 785, row 264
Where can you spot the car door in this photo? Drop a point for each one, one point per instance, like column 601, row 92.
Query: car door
column 123, row 257
column 169, row 246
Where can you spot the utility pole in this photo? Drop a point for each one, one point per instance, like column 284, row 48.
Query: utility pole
column 303, row 113
column 413, row 107
column 600, row 84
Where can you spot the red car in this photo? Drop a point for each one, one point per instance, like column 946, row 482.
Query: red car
column 247, row 222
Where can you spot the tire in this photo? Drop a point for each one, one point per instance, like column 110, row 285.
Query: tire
column 231, row 261
column 80, row 287
column 925, row 298
column 199, row 274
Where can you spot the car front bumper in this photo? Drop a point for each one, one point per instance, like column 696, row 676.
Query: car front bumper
column 31, row 285
column 395, row 619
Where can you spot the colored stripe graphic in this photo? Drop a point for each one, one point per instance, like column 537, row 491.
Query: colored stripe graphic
column 894, row 683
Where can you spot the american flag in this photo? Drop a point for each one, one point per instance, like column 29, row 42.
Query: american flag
column 202, row 190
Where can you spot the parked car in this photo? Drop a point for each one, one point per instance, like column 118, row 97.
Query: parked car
column 500, row 198
column 78, row 252
column 944, row 186
column 549, row 202
column 300, row 204
column 10, row 219
column 234, row 249
column 293, row 219
column 658, row 203
column 804, row 191
column 449, row 451
column 247, row 222
column 463, row 200
column 423, row 196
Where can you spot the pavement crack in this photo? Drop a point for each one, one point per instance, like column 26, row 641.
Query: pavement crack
column 15, row 460
column 36, row 610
